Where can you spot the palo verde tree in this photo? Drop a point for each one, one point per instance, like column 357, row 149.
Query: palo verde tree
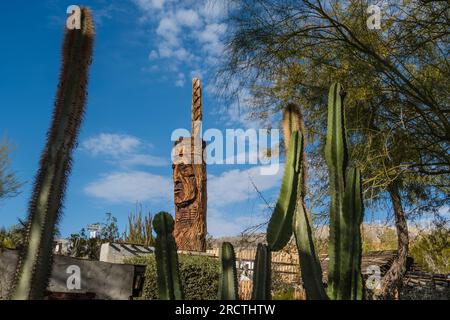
column 397, row 82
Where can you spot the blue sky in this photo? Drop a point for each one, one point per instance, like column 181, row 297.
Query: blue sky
column 146, row 53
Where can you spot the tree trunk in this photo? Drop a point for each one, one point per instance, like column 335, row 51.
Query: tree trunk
column 394, row 275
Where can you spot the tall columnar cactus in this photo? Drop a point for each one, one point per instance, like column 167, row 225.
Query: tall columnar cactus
column 169, row 282
column 228, row 284
column 346, row 209
column 262, row 283
column 336, row 158
column 311, row 269
column 35, row 261
column 350, row 229
column 279, row 230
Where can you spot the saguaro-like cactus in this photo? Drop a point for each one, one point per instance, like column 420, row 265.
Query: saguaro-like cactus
column 336, row 158
column 262, row 274
column 228, row 284
column 169, row 282
column 279, row 230
column 35, row 261
column 346, row 210
column 350, row 247
column 311, row 270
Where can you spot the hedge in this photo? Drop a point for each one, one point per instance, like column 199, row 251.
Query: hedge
column 199, row 277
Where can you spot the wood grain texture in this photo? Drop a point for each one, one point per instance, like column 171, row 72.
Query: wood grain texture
column 189, row 178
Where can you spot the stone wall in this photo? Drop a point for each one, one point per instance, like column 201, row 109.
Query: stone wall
column 107, row 281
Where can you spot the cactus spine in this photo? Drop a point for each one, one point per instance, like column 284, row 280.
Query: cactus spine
column 262, row 274
column 35, row 261
column 228, row 285
column 169, row 282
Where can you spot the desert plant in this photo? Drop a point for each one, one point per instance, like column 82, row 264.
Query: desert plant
column 139, row 229
column 199, row 276
column 432, row 250
column 262, row 274
column 346, row 209
column 228, row 284
column 169, row 282
column 35, row 260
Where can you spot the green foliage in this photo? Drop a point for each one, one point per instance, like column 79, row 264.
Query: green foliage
column 34, row 266
column 262, row 274
column 169, row 282
column 199, row 277
column 139, row 229
column 81, row 246
column 432, row 251
column 12, row 238
column 228, row 284
column 9, row 185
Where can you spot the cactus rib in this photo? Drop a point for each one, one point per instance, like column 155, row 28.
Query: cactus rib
column 279, row 230
column 336, row 159
column 262, row 274
column 228, row 285
column 169, row 282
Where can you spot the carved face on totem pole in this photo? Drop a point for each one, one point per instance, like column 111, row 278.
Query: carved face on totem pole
column 185, row 185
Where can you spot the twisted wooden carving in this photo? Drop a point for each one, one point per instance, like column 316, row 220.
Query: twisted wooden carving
column 189, row 178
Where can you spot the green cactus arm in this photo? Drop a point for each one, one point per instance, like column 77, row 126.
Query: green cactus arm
column 228, row 284
column 336, row 158
column 279, row 230
column 35, row 259
column 169, row 282
column 351, row 283
column 262, row 274
column 311, row 270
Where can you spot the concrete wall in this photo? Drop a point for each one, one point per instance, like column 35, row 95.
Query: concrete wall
column 118, row 252
column 107, row 280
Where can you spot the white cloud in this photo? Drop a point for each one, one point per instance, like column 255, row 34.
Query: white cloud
column 188, row 17
column 150, row 4
column 181, row 80
column 111, row 144
column 143, row 160
column 130, row 187
column 187, row 32
column 153, row 55
column 220, row 224
column 122, row 150
column 213, row 32
column 235, row 186
column 168, row 29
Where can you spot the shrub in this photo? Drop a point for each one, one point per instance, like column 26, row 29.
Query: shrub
column 199, row 276
column 432, row 251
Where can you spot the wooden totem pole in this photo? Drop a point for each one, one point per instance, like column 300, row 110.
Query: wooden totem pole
column 189, row 177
